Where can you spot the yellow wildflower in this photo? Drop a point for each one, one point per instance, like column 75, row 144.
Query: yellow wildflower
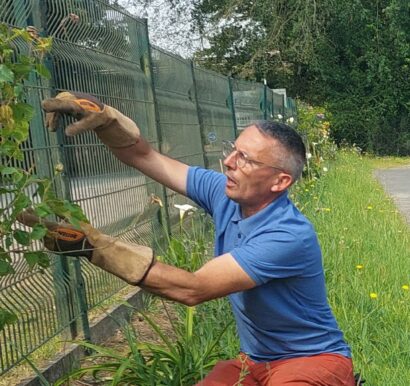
column 405, row 287
column 369, row 207
column 327, row 209
column 359, row 266
column 373, row 295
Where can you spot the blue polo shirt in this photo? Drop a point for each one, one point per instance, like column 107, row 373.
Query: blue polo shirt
column 287, row 314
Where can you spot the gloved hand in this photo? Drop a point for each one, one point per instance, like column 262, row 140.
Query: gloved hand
column 112, row 127
column 128, row 261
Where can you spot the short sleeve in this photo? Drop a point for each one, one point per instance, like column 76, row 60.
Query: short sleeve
column 205, row 187
column 272, row 255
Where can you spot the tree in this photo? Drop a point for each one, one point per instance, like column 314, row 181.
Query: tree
column 170, row 24
column 352, row 55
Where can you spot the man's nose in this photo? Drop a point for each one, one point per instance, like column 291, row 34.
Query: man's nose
column 230, row 160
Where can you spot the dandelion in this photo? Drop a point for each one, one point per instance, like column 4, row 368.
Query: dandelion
column 369, row 207
column 373, row 295
column 359, row 266
column 327, row 209
column 405, row 287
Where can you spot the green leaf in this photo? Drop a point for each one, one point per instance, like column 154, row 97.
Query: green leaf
column 43, row 185
column 75, row 211
column 22, row 111
column 37, row 258
column 6, row 317
column 42, row 210
column 21, row 69
column 6, row 74
column 18, row 90
column 22, row 237
column 43, row 71
column 22, row 202
column 8, row 170
column 8, row 241
column 5, row 268
column 31, row 258
column 38, row 232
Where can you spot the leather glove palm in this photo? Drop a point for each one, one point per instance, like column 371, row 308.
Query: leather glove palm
column 128, row 261
column 112, row 127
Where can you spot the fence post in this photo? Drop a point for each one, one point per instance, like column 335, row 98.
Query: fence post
column 265, row 100
column 232, row 100
column 65, row 299
column 199, row 114
column 148, row 70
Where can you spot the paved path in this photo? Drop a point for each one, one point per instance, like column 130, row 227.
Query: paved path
column 396, row 183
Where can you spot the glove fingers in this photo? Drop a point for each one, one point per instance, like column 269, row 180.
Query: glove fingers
column 64, row 106
column 52, row 120
column 88, row 123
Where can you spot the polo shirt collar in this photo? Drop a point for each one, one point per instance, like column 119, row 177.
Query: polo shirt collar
column 251, row 222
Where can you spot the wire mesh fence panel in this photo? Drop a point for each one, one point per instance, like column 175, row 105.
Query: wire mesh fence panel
column 178, row 116
column 248, row 102
column 214, row 103
column 182, row 110
column 278, row 106
column 100, row 50
column 291, row 112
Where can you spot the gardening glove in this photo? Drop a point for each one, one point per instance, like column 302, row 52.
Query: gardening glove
column 113, row 128
column 128, row 261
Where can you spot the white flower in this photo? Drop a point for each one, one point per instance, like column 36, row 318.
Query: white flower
column 184, row 209
column 325, row 169
column 308, row 155
column 290, row 120
column 280, row 116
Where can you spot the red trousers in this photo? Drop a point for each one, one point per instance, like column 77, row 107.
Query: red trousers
column 317, row 370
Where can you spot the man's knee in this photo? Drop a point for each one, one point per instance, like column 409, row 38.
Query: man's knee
column 228, row 373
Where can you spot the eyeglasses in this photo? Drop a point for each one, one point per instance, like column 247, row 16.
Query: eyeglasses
column 228, row 147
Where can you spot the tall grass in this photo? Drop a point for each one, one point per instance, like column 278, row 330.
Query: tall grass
column 366, row 250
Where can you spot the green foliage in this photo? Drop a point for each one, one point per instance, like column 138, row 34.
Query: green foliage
column 314, row 125
column 354, row 55
column 365, row 244
column 17, row 184
column 200, row 337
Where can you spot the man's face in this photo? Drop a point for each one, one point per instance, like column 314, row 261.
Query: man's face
column 251, row 185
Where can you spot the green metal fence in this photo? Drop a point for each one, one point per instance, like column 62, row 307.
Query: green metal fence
column 183, row 111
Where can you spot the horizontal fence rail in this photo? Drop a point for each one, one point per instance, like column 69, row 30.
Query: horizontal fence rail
column 183, row 110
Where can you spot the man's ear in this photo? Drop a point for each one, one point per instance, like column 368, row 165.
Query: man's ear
column 281, row 182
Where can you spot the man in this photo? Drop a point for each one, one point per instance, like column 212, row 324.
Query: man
column 268, row 259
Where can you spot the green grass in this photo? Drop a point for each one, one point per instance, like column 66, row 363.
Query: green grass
column 366, row 250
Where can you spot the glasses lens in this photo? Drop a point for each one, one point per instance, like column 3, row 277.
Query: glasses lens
column 241, row 159
column 227, row 148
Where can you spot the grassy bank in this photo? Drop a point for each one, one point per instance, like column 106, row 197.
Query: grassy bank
column 366, row 249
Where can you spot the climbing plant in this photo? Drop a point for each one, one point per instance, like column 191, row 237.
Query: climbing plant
column 17, row 67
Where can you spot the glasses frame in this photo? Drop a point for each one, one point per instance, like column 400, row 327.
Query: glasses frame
column 229, row 147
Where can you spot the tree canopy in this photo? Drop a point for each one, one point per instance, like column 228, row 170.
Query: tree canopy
column 351, row 55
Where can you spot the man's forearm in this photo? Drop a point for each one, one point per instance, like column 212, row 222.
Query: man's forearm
column 174, row 283
column 161, row 168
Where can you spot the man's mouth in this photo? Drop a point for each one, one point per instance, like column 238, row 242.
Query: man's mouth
column 230, row 182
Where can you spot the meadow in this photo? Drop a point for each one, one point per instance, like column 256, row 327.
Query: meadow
column 366, row 255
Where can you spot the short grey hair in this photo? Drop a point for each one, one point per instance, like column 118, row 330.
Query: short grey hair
column 292, row 142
